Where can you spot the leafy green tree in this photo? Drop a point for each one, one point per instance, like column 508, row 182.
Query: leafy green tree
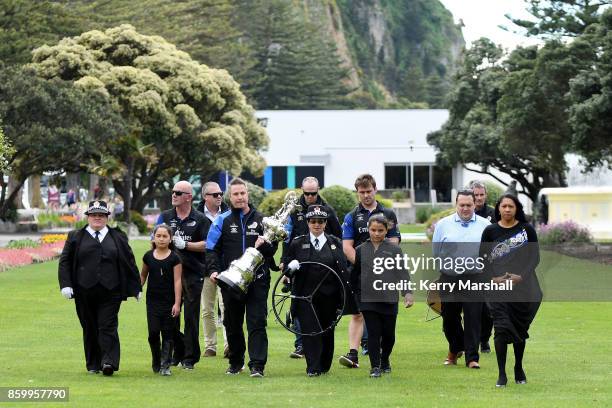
column 560, row 17
column 591, row 96
column 26, row 24
column 296, row 67
column 512, row 115
column 182, row 117
column 51, row 126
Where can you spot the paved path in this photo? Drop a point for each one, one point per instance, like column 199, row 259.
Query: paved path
column 414, row 236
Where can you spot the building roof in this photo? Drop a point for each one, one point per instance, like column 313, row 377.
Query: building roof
column 310, row 136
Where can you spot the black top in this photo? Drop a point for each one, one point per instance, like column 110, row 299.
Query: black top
column 231, row 234
column 487, row 212
column 364, row 276
column 298, row 225
column 355, row 224
column 193, row 228
column 160, row 286
column 514, row 250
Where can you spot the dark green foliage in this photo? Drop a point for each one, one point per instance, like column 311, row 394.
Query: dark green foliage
column 560, row 17
column 27, row 24
column 340, row 198
column 52, row 125
column 274, row 201
column 139, row 221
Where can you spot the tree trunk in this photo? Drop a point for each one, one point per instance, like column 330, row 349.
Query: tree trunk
column 34, row 192
column 15, row 192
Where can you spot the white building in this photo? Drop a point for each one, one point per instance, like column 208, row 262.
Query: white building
column 338, row 145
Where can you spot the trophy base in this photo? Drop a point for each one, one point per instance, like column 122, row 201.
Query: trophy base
column 225, row 283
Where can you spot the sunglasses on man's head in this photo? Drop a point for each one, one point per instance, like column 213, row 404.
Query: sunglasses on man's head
column 308, row 193
column 179, row 193
column 216, row 195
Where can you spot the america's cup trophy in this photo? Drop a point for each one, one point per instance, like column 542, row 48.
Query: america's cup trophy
column 241, row 272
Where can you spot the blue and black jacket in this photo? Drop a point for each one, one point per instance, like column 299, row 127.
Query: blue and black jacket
column 231, row 234
column 355, row 224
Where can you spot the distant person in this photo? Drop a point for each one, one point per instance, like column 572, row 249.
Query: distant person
column 189, row 228
column 455, row 238
column 380, row 309
column 543, row 209
column 483, row 210
column 71, row 198
column 97, row 269
column 162, row 266
column 512, row 253
column 354, row 233
column 53, row 198
column 212, row 206
column 298, row 226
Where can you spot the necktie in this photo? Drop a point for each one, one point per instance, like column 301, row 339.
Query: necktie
column 98, row 236
column 316, row 243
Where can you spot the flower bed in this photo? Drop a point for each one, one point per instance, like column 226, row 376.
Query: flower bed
column 11, row 258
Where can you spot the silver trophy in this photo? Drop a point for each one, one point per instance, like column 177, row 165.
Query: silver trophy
column 241, row 272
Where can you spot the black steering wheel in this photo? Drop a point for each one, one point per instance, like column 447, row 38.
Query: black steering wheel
column 280, row 305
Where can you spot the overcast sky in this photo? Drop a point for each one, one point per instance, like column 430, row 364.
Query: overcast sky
column 482, row 18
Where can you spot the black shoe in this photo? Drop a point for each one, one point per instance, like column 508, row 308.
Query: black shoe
column 187, row 366
column 93, row 371
column 385, row 367
column 519, row 376
column 107, row 370
column 350, row 360
column 233, row 370
column 155, row 369
column 297, row 353
column 502, row 380
column 165, row 371
column 485, row 347
column 313, row 373
column 257, row 372
column 375, row 372
column 175, row 362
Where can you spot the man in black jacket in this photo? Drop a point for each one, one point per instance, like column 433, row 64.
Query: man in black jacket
column 97, row 269
column 229, row 237
column 483, row 210
column 190, row 228
column 298, row 226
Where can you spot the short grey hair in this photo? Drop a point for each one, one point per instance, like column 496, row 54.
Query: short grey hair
column 309, row 179
column 207, row 185
column 477, row 184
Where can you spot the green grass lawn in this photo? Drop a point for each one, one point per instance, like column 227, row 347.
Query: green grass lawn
column 412, row 228
column 568, row 360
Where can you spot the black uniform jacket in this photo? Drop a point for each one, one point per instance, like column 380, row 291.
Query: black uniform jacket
column 129, row 275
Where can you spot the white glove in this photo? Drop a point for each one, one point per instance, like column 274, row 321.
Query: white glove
column 179, row 242
column 293, row 265
column 138, row 296
column 67, row 293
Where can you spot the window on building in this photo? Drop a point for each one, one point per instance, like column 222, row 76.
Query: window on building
column 279, row 177
column 397, row 177
column 443, row 183
column 302, row 172
column 421, row 184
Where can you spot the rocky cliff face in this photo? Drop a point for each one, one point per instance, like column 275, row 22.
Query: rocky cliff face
column 397, row 50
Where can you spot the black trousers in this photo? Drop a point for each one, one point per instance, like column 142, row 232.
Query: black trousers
column 319, row 350
column 98, row 310
column 460, row 338
column 187, row 345
column 381, row 339
column 160, row 322
column 255, row 305
column 486, row 324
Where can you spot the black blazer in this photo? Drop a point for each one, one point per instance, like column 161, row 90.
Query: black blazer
column 129, row 276
column 299, row 249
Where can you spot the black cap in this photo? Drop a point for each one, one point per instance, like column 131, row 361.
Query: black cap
column 317, row 211
column 97, row 207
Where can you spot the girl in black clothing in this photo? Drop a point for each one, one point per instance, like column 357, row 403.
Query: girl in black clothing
column 379, row 308
column 511, row 250
column 163, row 268
column 317, row 246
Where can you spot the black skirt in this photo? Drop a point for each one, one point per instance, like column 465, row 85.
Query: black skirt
column 511, row 320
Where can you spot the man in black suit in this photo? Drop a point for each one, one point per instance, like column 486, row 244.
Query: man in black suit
column 97, row 269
